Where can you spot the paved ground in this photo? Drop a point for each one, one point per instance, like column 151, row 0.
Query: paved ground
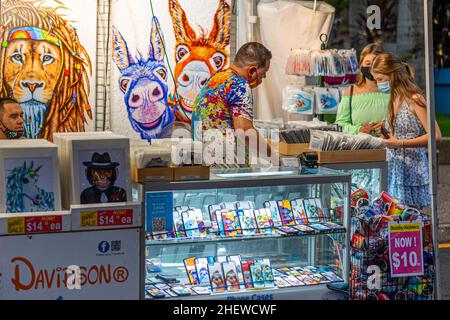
column 445, row 273
column 443, row 203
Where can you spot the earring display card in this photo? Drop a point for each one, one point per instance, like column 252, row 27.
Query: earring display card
column 216, row 276
column 276, row 218
column 29, row 176
column 231, row 276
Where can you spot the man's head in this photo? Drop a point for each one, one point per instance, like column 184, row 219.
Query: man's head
column 11, row 119
column 253, row 62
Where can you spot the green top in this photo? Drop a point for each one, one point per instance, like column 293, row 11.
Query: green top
column 366, row 108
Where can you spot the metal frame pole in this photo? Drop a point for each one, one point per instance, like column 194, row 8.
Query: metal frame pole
column 429, row 69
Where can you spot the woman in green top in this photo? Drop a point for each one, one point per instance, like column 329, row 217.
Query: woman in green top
column 362, row 105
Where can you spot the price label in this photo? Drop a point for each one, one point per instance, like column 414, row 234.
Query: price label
column 405, row 249
column 33, row 225
column 106, row 218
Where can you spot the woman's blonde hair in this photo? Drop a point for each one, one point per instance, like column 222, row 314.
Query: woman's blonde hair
column 403, row 84
column 373, row 48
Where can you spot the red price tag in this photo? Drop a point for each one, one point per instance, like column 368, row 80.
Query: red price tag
column 47, row 224
column 114, row 218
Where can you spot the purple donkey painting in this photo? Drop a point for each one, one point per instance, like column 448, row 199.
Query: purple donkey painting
column 144, row 83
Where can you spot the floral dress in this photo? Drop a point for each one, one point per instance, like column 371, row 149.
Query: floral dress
column 408, row 175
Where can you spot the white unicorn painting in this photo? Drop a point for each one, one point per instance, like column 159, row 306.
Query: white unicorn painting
column 25, row 189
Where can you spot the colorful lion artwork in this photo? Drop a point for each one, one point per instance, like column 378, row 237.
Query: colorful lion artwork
column 197, row 56
column 23, row 192
column 144, row 83
column 44, row 67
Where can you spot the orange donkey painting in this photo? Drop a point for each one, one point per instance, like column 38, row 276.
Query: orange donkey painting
column 197, row 56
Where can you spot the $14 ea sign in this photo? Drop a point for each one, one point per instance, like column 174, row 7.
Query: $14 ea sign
column 405, row 249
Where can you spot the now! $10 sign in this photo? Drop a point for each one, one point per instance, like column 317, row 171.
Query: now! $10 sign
column 405, row 249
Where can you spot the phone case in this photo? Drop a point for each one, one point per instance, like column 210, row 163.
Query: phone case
column 190, row 224
column 295, row 282
column 189, row 265
column 216, row 277
column 322, row 215
column 332, row 277
column 229, row 205
column 212, row 211
column 319, row 278
column 307, row 280
column 304, row 228
column 200, row 223
column 237, row 261
column 231, row 276
column 231, row 224
column 178, row 224
column 156, row 293
column 288, row 230
column 170, row 293
column 280, row 282
column 181, row 291
column 201, row 265
column 182, row 208
column 273, row 207
column 220, row 222
column 201, row 290
column 293, row 272
column 319, row 227
column 267, row 273
column 221, row 259
column 162, row 286
column 299, row 211
column 287, row 217
column 248, row 222
column 311, row 210
column 263, row 220
column 247, row 273
column 257, row 275
column 283, row 271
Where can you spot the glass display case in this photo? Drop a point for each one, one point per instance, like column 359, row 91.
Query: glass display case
column 248, row 234
column 371, row 176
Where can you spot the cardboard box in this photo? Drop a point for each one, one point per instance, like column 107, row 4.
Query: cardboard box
column 191, row 173
column 352, row 156
column 142, row 175
column 295, row 149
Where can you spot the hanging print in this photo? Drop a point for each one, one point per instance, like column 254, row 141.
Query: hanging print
column 29, row 185
column 45, row 63
column 162, row 59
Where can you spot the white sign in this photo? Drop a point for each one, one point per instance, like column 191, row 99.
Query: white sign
column 70, row 266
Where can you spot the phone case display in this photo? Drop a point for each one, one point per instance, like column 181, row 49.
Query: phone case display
column 327, row 100
column 190, row 224
column 297, row 99
column 29, row 178
column 268, row 246
column 370, row 246
column 96, row 168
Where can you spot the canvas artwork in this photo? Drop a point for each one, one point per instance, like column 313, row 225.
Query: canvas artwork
column 161, row 67
column 47, row 55
column 103, row 176
column 29, row 185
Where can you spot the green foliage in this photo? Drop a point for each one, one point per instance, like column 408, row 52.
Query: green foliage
column 444, row 124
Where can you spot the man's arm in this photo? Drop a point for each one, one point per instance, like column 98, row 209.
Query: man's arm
column 246, row 125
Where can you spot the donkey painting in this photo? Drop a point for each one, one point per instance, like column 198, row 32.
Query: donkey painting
column 144, row 83
column 23, row 193
column 197, row 57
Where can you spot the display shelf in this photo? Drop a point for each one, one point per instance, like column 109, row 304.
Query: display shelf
column 175, row 242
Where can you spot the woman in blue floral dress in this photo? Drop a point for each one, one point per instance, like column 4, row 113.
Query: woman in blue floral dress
column 405, row 131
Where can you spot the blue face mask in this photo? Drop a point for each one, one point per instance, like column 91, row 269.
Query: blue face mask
column 384, row 87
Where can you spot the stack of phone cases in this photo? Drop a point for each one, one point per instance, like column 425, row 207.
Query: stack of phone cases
column 303, row 276
column 189, row 223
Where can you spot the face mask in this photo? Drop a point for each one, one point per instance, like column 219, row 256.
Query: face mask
column 384, row 87
column 11, row 135
column 367, row 74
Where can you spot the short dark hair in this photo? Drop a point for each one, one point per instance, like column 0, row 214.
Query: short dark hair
column 5, row 101
column 252, row 53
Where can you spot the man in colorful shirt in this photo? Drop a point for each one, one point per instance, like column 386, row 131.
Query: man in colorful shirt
column 226, row 101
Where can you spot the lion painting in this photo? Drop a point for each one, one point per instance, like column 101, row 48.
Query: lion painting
column 45, row 68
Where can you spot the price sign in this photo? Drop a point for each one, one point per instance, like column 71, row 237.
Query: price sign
column 405, row 249
column 34, row 225
column 106, row 218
